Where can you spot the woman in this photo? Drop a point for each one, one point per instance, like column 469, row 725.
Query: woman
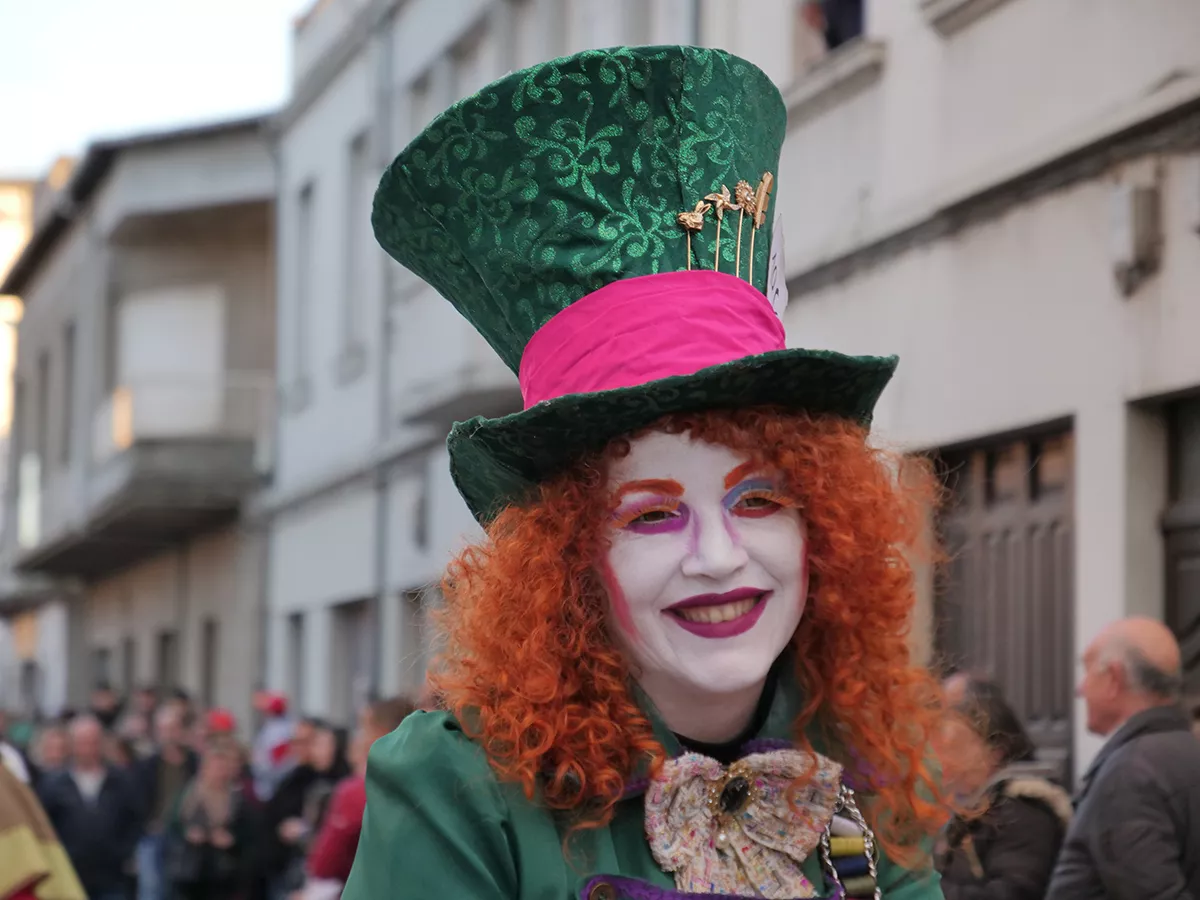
column 683, row 641
column 298, row 808
column 210, row 841
column 1008, row 851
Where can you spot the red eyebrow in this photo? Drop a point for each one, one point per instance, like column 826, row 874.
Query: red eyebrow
column 651, row 486
column 740, row 474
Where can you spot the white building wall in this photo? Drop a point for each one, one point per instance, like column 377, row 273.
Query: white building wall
column 318, row 401
column 1008, row 323
column 1016, row 320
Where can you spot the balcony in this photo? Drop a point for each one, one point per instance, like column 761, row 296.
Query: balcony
column 22, row 591
column 444, row 370
column 169, row 458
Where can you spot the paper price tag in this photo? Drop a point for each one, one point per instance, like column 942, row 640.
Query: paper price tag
column 777, row 290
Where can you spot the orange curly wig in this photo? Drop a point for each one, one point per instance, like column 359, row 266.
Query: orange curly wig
column 529, row 669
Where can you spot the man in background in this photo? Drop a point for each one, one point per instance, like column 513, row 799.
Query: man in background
column 1131, row 834
column 105, row 705
column 96, row 812
column 160, row 779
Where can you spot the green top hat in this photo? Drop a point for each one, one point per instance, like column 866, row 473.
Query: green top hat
column 535, row 205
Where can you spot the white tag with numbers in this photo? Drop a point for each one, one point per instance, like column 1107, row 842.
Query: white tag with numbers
column 777, row 291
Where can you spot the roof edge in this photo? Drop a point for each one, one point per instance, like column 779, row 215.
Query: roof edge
column 90, row 174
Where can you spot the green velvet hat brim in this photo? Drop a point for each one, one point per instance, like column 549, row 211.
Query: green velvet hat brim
column 497, row 463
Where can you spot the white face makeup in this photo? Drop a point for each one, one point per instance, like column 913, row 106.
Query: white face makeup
column 707, row 567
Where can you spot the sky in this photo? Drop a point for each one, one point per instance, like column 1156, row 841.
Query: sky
column 72, row 71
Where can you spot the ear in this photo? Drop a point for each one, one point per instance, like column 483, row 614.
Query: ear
column 1118, row 676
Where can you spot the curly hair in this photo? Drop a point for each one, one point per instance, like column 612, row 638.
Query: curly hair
column 529, row 668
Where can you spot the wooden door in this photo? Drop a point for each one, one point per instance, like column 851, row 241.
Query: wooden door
column 1005, row 599
column 1181, row 530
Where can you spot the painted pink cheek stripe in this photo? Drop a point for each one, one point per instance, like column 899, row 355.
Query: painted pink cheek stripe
column 619, row 603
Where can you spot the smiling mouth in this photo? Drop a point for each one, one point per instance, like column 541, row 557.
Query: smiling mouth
column 720, row 615
column 717, row 613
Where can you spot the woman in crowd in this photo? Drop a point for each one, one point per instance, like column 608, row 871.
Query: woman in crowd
column 211, row 839
column 295, row 813
column 1007, row 848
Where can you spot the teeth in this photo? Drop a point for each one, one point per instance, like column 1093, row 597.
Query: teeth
column 724, row 612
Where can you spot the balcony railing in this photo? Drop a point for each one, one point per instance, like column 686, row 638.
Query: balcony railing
column 234, row 406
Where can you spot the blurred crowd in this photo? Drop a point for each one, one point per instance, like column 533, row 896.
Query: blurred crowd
column 156, row 799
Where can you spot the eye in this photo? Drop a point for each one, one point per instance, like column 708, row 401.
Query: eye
column 655, row 517
column 651, row 517
column 757, row 505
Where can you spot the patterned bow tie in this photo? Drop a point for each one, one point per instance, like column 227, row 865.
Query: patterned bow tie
column 733, row 830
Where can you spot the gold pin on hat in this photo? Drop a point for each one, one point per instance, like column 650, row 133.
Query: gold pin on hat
column 762, row 199
column 744, row 196
column 692, row 221
column 721, row 201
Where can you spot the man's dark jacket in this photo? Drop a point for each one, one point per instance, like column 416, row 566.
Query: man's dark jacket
column 1136, row 831
column 99, row 836
column 144, row 774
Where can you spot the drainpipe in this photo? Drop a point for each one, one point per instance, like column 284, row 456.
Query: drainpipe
column 260, row 526
column 383, row 145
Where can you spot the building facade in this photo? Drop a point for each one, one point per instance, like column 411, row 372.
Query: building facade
column 1023, row 231
column 143, row 419
column 18, row 630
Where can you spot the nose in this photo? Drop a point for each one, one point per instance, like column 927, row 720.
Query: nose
column 716, row 553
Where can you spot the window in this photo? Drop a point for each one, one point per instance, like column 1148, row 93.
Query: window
column 31, row 688
column 525, row 43
column 305, row 247
column 42, row 436
column 101, row 665
column 421, row 105
column 820, row 26
column 1181, row 527
column 168, row 660
column 353, row 651
column 359, row 187
column 415, row 641
column 17, row 436
column 129, row 664
column 209, row 650
column 1005, row 601
column 295, row 660
column 469, row 65
column 68, row 405
column 639, row 24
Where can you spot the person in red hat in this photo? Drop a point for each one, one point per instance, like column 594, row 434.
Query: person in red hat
column 221, row 721
column 271, row 755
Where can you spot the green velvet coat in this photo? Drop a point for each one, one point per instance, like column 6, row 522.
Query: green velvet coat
column 440, row 826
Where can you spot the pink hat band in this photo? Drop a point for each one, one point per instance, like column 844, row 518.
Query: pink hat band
column 639, row 330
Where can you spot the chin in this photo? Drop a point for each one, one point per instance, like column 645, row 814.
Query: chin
column 730, row 675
